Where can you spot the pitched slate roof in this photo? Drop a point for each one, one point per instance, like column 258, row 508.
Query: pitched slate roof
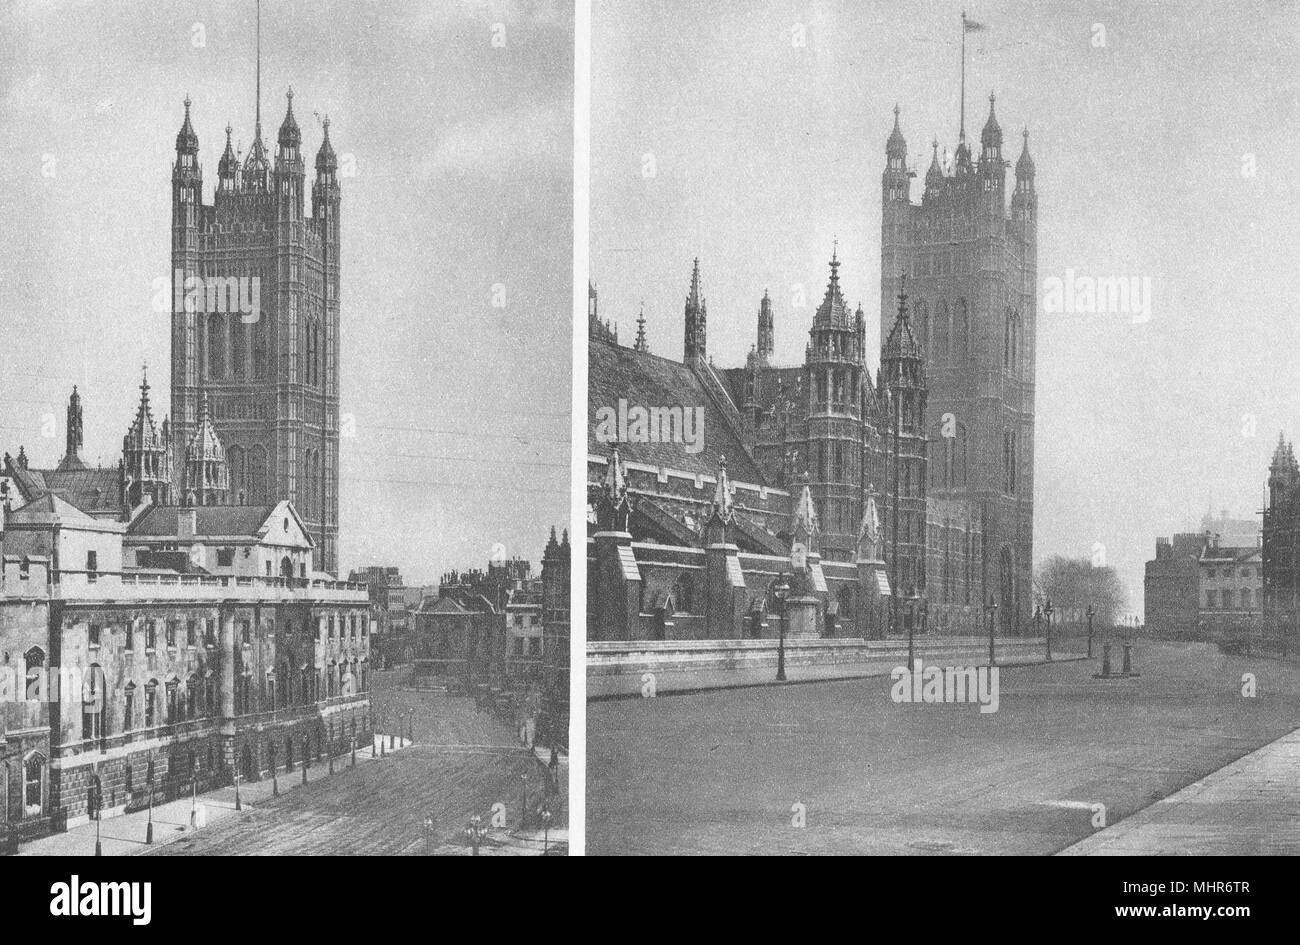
column 215, row 520
column 647, row 380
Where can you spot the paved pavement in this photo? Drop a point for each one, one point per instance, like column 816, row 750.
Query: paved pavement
column 740, row 771
column 1248, row 808
column 462, row 762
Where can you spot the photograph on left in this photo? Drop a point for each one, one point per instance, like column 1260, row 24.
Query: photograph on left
column 285, row 374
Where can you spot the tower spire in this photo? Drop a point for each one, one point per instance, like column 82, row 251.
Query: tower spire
column 258, row 125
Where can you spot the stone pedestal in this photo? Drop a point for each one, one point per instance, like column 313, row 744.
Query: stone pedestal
column 801, row 618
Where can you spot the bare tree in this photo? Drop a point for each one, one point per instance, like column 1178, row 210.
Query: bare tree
column 1072, row 584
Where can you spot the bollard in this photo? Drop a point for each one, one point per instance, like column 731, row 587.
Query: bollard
column 1105, row 660
column 1128, row 661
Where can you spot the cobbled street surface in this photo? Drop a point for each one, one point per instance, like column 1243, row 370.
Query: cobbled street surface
column 462, row 763
column 721, row 772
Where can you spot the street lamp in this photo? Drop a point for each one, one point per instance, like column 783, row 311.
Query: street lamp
column 781, row 591
column 475, row 832
column 428, row 835
column 523, row 801
column 1047, row 612
column 991, row 608
column 1090, row 613
column 546, row 829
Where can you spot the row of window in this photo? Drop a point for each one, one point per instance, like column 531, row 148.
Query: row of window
column 197, row 698
column 348, row 627
column 1229, row 599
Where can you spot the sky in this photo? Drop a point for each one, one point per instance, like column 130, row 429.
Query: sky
column 1163, row 137
column 453, row 125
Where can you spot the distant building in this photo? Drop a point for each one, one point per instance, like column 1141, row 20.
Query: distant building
column 392, row 608
column 1198, row 584
column 1281, row 552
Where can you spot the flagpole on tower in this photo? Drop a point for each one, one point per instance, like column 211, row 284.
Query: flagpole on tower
column 962, row 134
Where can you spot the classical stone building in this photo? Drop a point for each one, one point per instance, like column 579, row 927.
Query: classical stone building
column 138, row 681
column 917, row 482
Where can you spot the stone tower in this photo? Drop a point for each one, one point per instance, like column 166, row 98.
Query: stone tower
column 834, row 383
column 269, row 364
column 971, row 264
column 903, row 383
column 72, row 450
column 147, row 471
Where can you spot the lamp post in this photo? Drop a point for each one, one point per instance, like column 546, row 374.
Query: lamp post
column 546, row 830
column 781, row 591
column 1090, row 613
column 523, row 801
column 428, row 835
column 238, row 804
column 99, row 847
column 475, row 832
column 991, row 608
column 1047, row 612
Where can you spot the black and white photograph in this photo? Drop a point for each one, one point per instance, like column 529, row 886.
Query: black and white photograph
column 941, row 494
column 285, row 408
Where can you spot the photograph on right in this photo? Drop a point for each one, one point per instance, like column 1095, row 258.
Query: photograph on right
column 940, row 490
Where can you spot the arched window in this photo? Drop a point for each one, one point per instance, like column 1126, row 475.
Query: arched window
column 683, row 594
column 239, row 348
column 261, row 346
column 151, row 704
column 128, row 710
column 36, row 681
column 216, row 345
column 942, row 332
column 34, row 783
column 237, row 464
column 256, row 476
column 923, row 323
column 961, row 331
column 92, row 704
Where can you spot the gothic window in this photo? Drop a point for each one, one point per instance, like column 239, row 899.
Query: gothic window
column 239, row 348
column 255, row 481
column 923, row 322
column 216, row 345
column 35, row 659
column 261, row 337
column 683, row 594
column 237, row 466
column 961, row 331
column 942, row 329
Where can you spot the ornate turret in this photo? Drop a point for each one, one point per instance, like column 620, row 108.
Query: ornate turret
column 992, row 167
column 934, row 178
column 1025, row 165
column 290, row 135
column 641, row 344
column 72, row 453
column 766, row 331
column 612, row 508
column 146, row 457
column 187, row 142
column 206, row 478
column 696, row 319
column 228, row 166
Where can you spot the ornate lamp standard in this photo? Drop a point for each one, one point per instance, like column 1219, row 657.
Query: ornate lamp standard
column 1047, row 612
column 546, row 828
column 523, row 800
column 1090, row 613
column 781, row 591
column 428, row 834
column 991, row 608
column 475, row 832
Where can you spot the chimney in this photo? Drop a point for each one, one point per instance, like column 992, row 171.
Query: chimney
column 186, row 523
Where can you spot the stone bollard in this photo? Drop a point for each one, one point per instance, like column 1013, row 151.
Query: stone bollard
column 1128, row 660
column 1105, row 660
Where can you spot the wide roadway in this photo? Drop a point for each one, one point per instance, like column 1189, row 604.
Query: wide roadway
column 738, row 771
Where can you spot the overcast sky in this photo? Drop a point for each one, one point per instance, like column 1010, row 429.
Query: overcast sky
column 463, row 181
column 763, row 151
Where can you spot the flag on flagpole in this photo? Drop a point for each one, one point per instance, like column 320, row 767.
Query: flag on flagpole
column 970, row 26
